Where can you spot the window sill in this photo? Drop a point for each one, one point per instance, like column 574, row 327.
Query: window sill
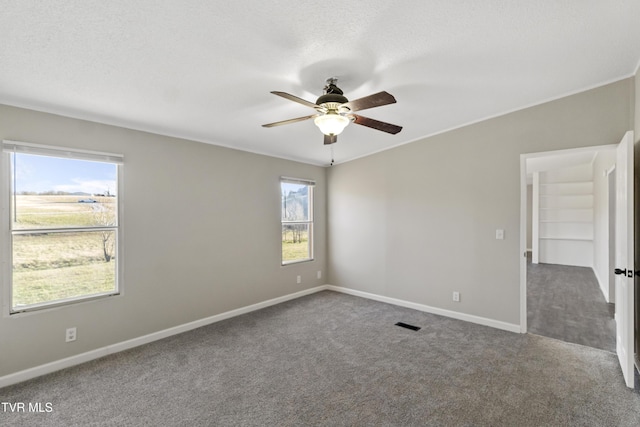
column 299, row 261
column 59, row 304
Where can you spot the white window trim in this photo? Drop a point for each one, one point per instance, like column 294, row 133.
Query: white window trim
column 9, row 147
column 310, row 222
column 301, row 181
column 72, row 153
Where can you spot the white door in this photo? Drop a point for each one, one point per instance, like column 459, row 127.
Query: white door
column 624, row 298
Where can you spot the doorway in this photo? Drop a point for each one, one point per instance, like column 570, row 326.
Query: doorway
column 565, row 234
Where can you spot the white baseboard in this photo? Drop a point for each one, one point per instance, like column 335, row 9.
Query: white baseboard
column 67, row 362
column 428, row 309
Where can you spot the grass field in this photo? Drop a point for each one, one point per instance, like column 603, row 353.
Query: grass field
column 293, row 251
column 50, row 266
column 52, row 285
column 40, row 211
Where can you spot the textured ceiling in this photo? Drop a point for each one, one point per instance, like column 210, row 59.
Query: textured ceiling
column 203, row 70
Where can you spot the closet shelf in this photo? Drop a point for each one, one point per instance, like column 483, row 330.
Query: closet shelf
column 566, row 221
column 566, row 209
column 582, row 239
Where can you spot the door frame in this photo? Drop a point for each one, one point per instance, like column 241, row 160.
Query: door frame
column 611, row 193
column 523, row 217
column 625, row 241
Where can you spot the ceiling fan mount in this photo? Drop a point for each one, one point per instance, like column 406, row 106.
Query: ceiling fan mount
column 332, row 93
column 334, row 111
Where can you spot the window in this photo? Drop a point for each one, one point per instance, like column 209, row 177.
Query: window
column 63, row 225
column 297, row 220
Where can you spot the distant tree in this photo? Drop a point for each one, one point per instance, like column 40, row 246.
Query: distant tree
column 54, row 193
column 104, row 214
column 294, row 207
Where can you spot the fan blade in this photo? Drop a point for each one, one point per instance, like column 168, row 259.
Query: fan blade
column 330, row 139
column 376, row 100
column 295, row 99
column 376, row 124
column 286, row 122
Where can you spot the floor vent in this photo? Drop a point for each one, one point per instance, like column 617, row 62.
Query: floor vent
column 405, row 325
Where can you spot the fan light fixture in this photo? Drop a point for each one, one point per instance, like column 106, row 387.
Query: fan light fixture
column 334, row 111
column 331, row 123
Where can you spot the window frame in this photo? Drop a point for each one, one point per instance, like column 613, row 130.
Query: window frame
column 309, row 221
column 11, row 147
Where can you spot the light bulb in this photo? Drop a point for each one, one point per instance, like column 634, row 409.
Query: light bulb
column 331, row 123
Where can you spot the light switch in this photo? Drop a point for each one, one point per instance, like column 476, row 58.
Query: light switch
column 499, row 234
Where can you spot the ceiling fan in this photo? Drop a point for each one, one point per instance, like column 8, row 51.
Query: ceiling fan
column 335, row 111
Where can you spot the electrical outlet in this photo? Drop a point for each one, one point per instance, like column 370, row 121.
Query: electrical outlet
column 70, row 335
column 456, row 296
column 299, row 279
column 319, row 274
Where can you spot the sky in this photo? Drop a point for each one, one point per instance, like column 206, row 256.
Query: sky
column 42, row 173
column 287, row 187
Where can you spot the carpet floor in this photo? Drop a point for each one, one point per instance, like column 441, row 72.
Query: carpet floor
column 335, row 360
column 565, row 302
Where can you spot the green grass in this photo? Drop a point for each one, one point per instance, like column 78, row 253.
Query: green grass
column 294, row 251
column 43, row 251
column 60, row 211
column 54, row 266
column 34, row 287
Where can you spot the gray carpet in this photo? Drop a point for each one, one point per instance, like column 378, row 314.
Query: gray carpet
column 332, row 359
column 566, row 303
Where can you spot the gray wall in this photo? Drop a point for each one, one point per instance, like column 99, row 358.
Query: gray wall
column 418, row 222
column 201, row 236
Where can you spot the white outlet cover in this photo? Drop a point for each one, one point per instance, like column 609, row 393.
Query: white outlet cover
column 71, row 334
column 499, row 234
